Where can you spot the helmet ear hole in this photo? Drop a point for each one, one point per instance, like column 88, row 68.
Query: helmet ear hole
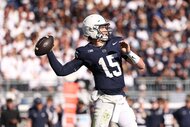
column 90, row 29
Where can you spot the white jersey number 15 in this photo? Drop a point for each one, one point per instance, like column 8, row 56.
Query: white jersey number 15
column 111, row 63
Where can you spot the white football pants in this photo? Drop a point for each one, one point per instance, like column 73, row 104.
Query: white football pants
column 112, row 110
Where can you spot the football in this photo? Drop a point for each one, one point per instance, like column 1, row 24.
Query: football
column 44, row 45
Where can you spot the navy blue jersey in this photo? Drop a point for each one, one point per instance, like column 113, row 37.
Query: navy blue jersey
column 105, row 63
column 182, row 116
column 38, row 118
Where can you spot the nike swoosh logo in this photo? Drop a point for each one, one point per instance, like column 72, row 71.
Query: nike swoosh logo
column 114, row 43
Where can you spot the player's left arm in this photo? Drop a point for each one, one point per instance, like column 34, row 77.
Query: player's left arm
column 66, row 69
column 130, row 56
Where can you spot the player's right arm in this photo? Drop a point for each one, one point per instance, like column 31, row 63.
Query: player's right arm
column 63, row 70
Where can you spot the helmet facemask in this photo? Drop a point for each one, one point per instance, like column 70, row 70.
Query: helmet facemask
column 103, row 31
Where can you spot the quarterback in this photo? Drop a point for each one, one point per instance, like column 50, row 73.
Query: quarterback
column 103, row 57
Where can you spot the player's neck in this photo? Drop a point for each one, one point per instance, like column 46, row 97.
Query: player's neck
column 98, row 43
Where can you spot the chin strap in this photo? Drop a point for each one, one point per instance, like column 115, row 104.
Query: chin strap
column 104, row 38
column 101, row 36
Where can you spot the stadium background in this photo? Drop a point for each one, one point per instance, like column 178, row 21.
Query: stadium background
column 158, row 30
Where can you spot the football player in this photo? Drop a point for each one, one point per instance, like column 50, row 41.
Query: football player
column 103, row 57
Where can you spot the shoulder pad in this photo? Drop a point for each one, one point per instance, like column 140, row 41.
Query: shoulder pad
column 78, row 52
column 118, row 38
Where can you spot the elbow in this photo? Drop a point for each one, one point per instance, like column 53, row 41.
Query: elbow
column 58, row 73
column 142, row 67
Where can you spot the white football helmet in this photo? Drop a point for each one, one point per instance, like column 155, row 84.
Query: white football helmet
column 91, row 27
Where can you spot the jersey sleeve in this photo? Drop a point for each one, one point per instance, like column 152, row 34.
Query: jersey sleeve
column 30, row 114
column 63, row 70
column 176, row 114
column 2, row 118
column 78, row 54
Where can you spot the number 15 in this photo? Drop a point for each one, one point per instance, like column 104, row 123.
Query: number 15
column 111, row 64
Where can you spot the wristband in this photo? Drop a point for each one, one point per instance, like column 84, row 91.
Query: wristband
column 133, row 57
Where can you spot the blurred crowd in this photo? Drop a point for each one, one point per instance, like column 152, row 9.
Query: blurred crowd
column 157, row 30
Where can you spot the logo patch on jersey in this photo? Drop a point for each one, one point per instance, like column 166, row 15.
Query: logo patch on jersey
column 104, row 50
column 76, row 54
column 114, row 43
column 90, row 50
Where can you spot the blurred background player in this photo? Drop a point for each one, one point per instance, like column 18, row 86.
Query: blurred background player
column 10, row 116
column 37, row 114
column 154, row 116
column 182, row 115
column 60, row 114
column 141, row 114
column 51, row 111
column 168, row 118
